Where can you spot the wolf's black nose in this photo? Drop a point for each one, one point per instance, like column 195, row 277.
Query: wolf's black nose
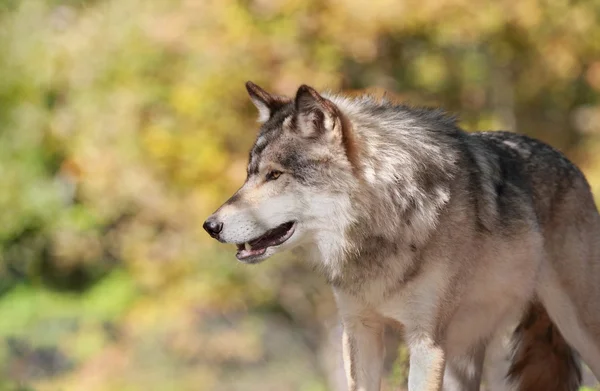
column 213, row 227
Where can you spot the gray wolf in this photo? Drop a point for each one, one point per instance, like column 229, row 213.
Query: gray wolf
column 456, row 236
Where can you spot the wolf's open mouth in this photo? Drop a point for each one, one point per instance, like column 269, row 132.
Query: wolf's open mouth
column 273, row 237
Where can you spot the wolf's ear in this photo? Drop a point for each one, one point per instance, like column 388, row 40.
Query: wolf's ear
column 316, row 114
column 266, row 103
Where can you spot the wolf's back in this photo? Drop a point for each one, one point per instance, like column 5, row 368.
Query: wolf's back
column 549, row 174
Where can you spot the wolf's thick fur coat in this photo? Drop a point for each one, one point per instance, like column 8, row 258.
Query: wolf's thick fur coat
column 457, row 236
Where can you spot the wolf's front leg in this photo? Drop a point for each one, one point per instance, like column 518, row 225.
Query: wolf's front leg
column 363, row 353
column 427, row 361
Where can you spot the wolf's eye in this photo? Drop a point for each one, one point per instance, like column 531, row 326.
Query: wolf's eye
column 272, row 175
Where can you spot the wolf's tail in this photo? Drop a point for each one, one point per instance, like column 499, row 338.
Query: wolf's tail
column 542, row 359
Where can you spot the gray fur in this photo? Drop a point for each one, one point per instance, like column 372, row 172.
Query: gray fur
column 453, row 234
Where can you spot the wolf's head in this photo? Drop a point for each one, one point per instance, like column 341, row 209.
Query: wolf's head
column 299, row 175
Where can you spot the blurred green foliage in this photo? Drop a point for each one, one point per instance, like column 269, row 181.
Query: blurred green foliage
column 124, row 123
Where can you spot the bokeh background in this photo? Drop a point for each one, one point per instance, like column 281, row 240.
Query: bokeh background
column 125, row 123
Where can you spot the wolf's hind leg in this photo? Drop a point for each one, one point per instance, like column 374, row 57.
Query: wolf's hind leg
column 579, row 326
column 464, row 373
column 568, row 284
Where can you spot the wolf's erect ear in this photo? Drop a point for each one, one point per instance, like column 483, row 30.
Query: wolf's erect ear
column 266, row 103
column 316, row 114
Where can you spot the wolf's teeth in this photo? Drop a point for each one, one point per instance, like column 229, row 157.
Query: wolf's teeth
column 247, row 246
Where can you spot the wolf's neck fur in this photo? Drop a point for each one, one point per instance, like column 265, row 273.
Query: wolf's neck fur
column 406, row 162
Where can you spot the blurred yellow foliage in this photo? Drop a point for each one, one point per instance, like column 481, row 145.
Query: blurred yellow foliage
column 124, row 123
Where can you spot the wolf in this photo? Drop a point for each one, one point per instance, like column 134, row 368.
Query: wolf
column 456, row 236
